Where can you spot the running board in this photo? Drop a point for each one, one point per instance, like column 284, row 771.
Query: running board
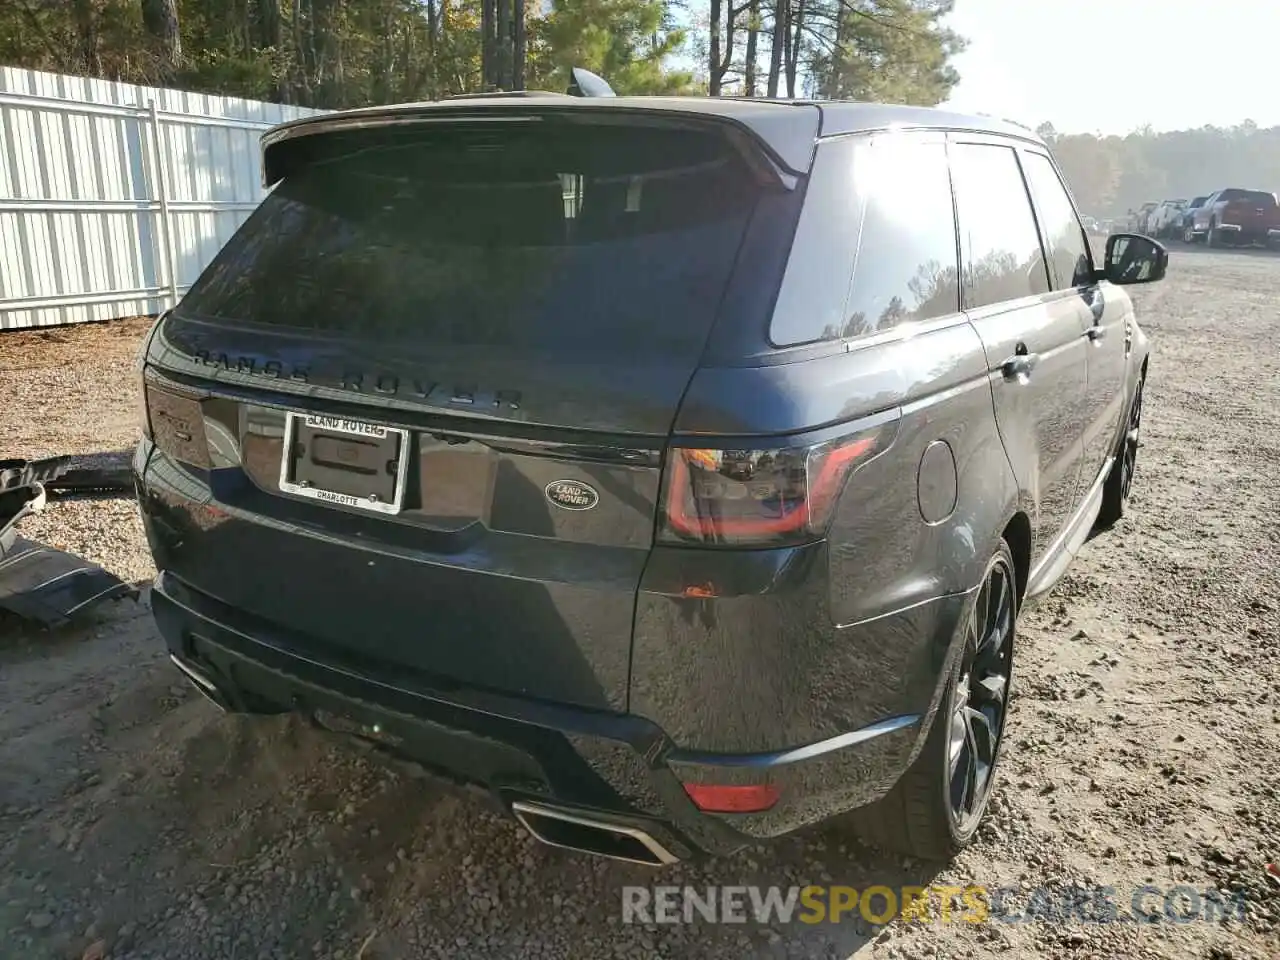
column 1062, row 551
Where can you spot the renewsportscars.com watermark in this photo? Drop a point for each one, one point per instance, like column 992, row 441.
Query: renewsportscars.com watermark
column 879, row 905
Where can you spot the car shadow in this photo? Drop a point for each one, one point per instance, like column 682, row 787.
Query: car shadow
column 870, row 883
column 20, row 636
column 441, row 837
column 785, row 892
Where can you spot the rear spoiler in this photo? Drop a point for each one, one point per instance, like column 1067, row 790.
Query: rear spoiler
column 281, row 154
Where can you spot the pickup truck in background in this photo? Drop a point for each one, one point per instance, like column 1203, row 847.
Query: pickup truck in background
column 1141, row 219
column 1182, row 227
column 1237, row 217
column 1161, row 219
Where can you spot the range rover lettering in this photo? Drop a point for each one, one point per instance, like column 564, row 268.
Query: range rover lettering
column 675, row 469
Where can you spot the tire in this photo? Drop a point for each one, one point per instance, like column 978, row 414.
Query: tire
column 1211, row 238
column 1188, row 234
column 918, row 816
column 1119, row 482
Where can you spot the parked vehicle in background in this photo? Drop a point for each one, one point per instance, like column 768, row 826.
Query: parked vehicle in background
column 1164, row 216
column 684, row 515
column 1106, row 226
column 1142, row 217
column 1182, row 226
column 1090, row 224
column 1236, row 217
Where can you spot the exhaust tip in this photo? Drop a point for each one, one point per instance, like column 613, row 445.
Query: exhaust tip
column 202, row 683
column 585, row 834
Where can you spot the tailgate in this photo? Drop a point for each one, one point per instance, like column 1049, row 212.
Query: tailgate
column 1256, row 212
column 428, row 386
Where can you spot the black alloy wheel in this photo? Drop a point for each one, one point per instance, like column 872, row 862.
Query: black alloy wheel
column 1119, row 483
column 980, row 699
column 936, row 807
column 1129, row 445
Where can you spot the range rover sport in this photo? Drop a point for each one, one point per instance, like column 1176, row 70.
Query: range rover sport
column 675, row 469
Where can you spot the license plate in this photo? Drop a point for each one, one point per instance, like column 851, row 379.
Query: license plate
column 350, row 463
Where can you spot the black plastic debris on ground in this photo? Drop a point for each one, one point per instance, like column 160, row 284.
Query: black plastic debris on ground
column 51, row 586
column 39, row 582
column 91, row 474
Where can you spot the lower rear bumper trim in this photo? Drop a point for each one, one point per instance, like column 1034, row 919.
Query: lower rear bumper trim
column 808, row 751
column 617, row 769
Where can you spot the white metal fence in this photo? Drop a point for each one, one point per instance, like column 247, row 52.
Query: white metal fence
column 114, row 197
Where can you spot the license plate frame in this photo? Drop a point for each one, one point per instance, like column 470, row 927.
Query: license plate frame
column 296, row 424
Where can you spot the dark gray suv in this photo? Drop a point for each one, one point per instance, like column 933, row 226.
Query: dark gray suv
column 675, row 469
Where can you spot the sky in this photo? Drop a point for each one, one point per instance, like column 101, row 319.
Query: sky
column 1111, row 66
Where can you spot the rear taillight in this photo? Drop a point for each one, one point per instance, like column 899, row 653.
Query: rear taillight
column 140, row 370
column 175, row 423
column 763, row 496
column 144, row 420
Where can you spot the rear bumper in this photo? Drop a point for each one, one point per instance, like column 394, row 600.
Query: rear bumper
column 739, row 690
column 616, row 768
column 1240, row 233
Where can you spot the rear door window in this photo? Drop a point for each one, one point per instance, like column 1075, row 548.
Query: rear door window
column 596, row 238
column 876, row 243
column 1061, row 230
column 999, row 242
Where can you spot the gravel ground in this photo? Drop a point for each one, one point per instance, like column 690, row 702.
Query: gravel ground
column 1145, row 741
column 72, row 390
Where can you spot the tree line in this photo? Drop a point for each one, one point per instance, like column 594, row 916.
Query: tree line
column 1111, row 175
column 345, row 53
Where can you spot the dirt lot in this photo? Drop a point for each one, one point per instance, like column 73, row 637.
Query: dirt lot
column 137, row 822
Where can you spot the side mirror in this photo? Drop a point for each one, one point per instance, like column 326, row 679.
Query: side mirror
column 1132, row 258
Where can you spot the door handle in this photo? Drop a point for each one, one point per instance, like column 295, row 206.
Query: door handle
column 1096, row 333
column 1018, row 367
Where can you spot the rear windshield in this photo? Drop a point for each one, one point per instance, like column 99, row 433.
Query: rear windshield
column 525, row 234
column 1249, row 196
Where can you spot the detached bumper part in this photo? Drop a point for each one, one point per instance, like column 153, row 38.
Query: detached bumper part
column 95, row 474
column 51, row 586
column 43, row 583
